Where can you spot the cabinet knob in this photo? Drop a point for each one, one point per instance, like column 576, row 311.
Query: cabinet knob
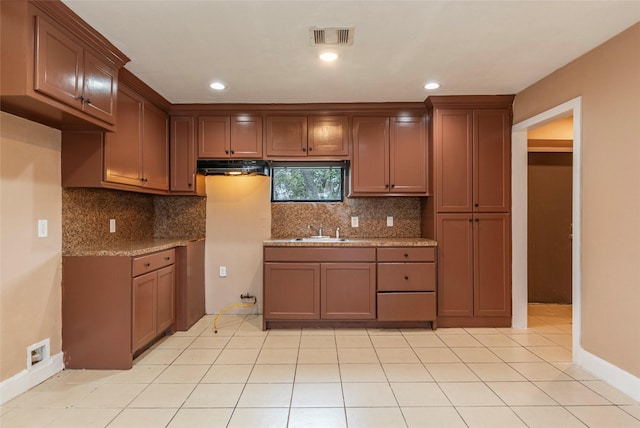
column 477, row 220
column 304, row 149
column 81, row 98
column 190, row 184
column 470, row 220
column 88, row 101
column 406, row 255
column 147, row 264
column 406, row 277
column 386, row 186
column 167, row 258
column 233, row 152
column 310, row 148
column 393, row 185
column 476, row 205
column 226, row 152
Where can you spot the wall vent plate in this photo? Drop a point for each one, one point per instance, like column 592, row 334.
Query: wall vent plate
column 331, row 36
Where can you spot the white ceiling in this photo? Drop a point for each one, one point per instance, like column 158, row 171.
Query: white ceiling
column 261, row 49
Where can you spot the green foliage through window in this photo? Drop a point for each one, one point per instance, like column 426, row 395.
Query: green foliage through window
column 307, row 183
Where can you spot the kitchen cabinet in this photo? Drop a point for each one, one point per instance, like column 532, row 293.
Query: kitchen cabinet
column 190, row 300
column 184, row 177
column 135, row 158
column 474, row 269
column 57, row 70
column 473, row 160
column 316, row 136
column 389, row 156
column 229, row 137
column 407, row 284
column 319, row 283
column 138, row 154
column 114, row 306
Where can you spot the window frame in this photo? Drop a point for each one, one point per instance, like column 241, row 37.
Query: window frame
column 343, row 165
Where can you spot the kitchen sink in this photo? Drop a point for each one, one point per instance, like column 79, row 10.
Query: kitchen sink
column 320, row 239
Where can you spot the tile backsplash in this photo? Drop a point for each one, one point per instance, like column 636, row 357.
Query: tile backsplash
column 86, row 214
column 290, row 219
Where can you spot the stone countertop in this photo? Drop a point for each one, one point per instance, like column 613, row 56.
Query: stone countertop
column 355, row 242
column 130, row 248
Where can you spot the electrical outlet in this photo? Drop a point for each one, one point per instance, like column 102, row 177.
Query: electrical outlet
column 389, row 221
column 112, row 225
column 355, row 222
column 223, row 271
column 43, row 228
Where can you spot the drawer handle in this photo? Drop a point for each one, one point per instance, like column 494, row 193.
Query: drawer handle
column 167, row 258
column 406, row 277
column 147, row 264
column 406, row 255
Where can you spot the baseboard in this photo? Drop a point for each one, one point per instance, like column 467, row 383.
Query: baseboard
column 613, row 375
column 25, row 380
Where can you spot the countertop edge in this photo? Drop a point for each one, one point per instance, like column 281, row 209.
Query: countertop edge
column 355, row 242
column 130, row 249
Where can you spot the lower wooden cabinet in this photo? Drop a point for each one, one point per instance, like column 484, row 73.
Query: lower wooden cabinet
column 474, row 269
column 363, row 286
column 113, row 306
column 153, row 305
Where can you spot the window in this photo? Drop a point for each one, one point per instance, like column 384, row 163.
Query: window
column 307, row 182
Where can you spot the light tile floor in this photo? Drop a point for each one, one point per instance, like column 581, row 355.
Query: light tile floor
column 245, row 377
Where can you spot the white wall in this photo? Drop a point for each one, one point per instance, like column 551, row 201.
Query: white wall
column 238, row 220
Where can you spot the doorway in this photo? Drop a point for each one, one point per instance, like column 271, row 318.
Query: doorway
column 520, row 214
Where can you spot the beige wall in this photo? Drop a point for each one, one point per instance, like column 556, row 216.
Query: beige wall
column 238, row 220
column 561, row 129
column 30, row 267
column 608, row 80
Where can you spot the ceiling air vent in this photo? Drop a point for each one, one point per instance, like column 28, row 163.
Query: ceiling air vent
column 335, row 36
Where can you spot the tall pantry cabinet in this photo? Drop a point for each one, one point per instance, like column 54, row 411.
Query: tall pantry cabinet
column 472, row 204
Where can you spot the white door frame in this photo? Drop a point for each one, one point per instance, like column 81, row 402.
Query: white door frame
column 519, row 167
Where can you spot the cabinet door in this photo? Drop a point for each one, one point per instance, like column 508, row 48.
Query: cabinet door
column 58, row 65
column 370, row 172
column 348, row 291
column 144, row 309
column 455, row 264
column 492, row 265
column 408, row 155
column 246, row 137
column 454, row 160
column 100, row 86
column 155, row 145
column 287, row 136
column 214, row 140
column 329, row 136
column 166, row 311
column 183, row 154
column 292, row 291
column 492, row 160
column 123, row 149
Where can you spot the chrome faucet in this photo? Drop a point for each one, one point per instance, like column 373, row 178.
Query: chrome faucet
column 318, row 230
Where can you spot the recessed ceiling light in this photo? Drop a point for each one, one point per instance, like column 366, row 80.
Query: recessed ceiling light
column 432, row 85
column 328, row 56
column 217, row 86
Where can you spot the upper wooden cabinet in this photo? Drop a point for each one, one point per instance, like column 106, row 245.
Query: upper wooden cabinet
column 307, row 136
column 224, row 137
column 138, row 154
column 473, row 160
column 55, row 68
column 184, row 179
column 389, row 156
column 134, row 158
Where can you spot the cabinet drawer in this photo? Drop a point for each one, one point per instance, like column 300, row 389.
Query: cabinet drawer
column 407, row 306
column 319, row 254
column 153, row 261
column 406, row 277
column 407, row 254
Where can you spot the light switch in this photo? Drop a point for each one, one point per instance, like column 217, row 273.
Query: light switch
column 43, row 228
column 389, row 221
column 112, row 225
column 223, row 271
column 354, row 222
